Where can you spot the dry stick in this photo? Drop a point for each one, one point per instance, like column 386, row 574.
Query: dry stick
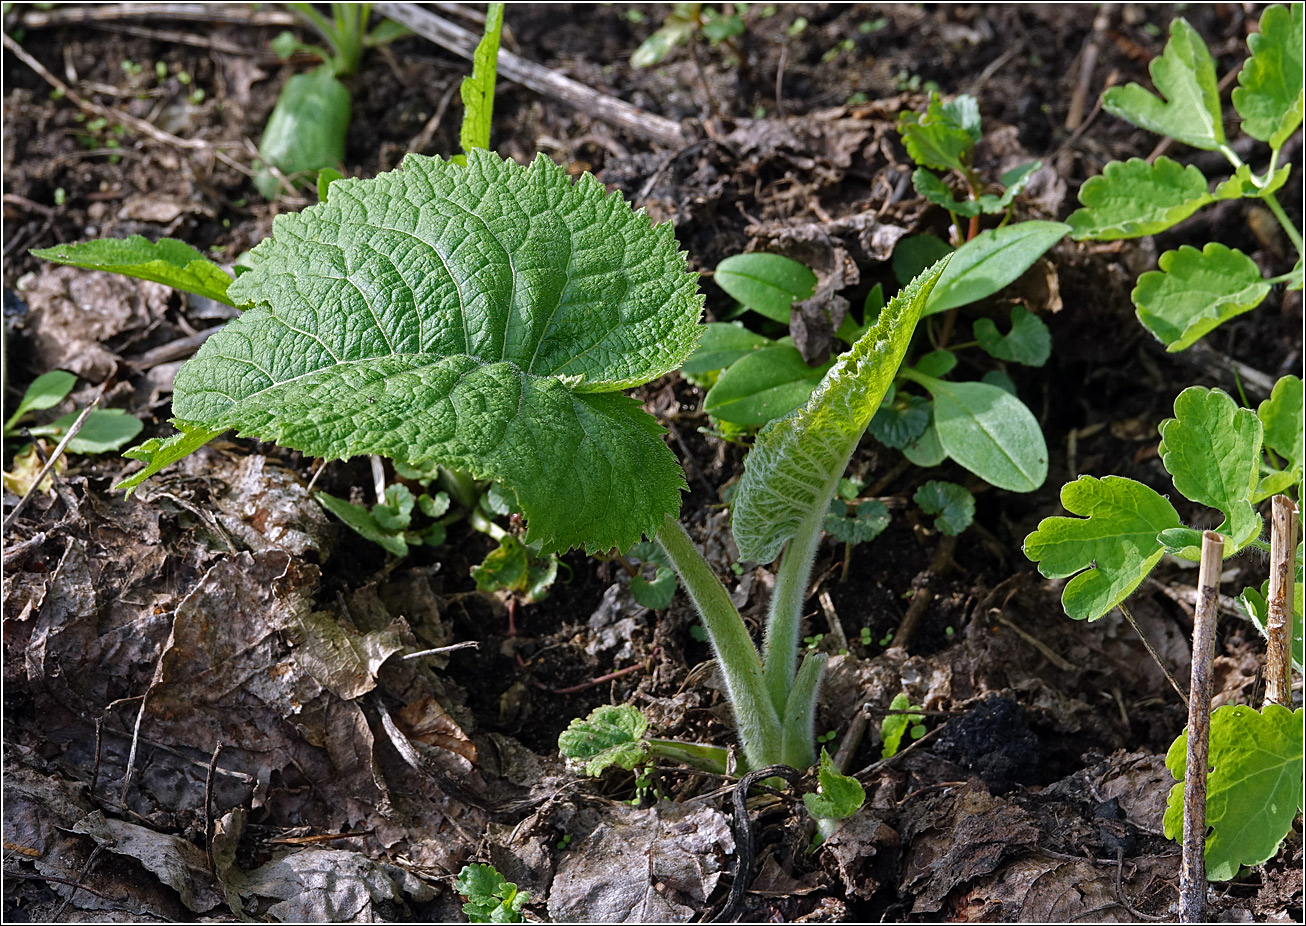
column 208, row 807
column 536, row 77
column 1156, row 657
column 1087, row 64
column 235, row 13
column 59, row 448
column 113, row 115
column 1192, row 871
column 1278, row 621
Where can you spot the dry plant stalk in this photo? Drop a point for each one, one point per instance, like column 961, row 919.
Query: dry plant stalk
column 1278, row 621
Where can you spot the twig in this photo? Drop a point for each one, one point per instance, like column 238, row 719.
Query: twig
column 1048, row 652
column 59, row 448
column 238, row 14
column 745, row 837
column 99, row 748
column 536, row 77
column 1087, row 64
column 832, row 618
column 131, row 753
column 1278, row 620
column 423, row 138
column 594, row 681
column 469, row 644
column 81, row 876
column 921, row 600
column 852, row 738
column 1192, row 869
column 116, row 116
column 1156, row 657
column 208, row 807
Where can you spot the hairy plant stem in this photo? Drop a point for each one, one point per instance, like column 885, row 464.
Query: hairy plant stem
column 784, row 618
column 478, row 521
column 696, row 755
column 756, row 718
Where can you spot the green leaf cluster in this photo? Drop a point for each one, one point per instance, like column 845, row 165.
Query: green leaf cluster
column 1213, row 452
column 1194, row 291
column 899, row 724
column 513, row 567
column 490, row 898
column 839, row 795
column 1253, row 790
column 103, row 430
column 683, row 23
column 387, row 523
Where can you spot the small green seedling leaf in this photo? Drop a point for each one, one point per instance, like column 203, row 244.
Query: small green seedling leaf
column 364, row 523
column 1110, row 550
column 676, row 29
column 158, row 452
column 1281, row 418
column 490, row 898
column 840, row 796
column 721, row 345
column 863, row 523
column 766, row 283
column 433, row 506
column 1133, row 198
column 1269, row 92
column 796, row 461
column 1254, row 788
column 510, row 567
column 168, row 261
column 104, row 429
column 482, row 317
column 895, row 726
column 1194, row 291
column 610, row 735
column 1211, row 448
column 1185, row 76
column 325, row 177
column 944, row 135
column 991, row 260
column 763, row 386
column 477, row 90
column 914, row 254
column 1243, row 183
column 926, row 450
column 953, row 504
column 988, row 431
column 397, row 511
column 1029, row 341
column 901, row 420
column 936, row 191
column 655, row 594
column 46, row 391
column 936, row 363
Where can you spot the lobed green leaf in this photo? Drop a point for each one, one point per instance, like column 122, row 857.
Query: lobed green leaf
column 1133, row 198
column 840, row 796
column 1212, row 449
column 1281, row 418
column 479, row 317
column 867, row 521
column 158, row 452
column 1189, row 108
column 1110, row 550
column 1269, row 92
column 168, row 261
column 1253, row 790
column 1029, row 341
column 944, row 135
column 900, row 420
column 796, row 460
column 1195, row 291
column 953, row 505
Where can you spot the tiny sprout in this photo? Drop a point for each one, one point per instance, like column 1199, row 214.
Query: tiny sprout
column 60, row 196
column 183, row 77
column 565, row 841
column 161, row 70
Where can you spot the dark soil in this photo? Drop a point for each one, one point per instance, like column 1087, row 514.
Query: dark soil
column 1048, row 737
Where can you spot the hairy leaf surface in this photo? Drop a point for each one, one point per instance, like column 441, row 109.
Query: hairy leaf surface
column 796, row 460
column 480, row 317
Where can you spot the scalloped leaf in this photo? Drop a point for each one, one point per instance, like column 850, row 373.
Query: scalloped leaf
column 1212, row 450
column 1133, row 198
column 1189, row 108
column 1029, row 341
column 1254, row 788
column 1196, row 291
column 168, row 261
column 158, row 452
column 1110, row 550
column 1269, row 95
column 611, row 735
column 796, row 461
column 1281, row 419
column 944, row 135
column 953, row 505
column 480, row 317
column 866, row 521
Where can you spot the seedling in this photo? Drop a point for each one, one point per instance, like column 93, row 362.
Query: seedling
column 104, row 429
column 1194, row 291
column 899, row 723
column 686, row 23
column 490, row 898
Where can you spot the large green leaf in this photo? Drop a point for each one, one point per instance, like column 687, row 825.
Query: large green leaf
column 762, row 386
column 1212, row 449
column 1133, row 198
column 796, row 460
column 1269, row 95
column 1254, row 788
column 481, row 318
column 1195, row 291
column 168, row 261
column 991, row 260
column 1185, row 76
column 1112, row 547
column 989, row 431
